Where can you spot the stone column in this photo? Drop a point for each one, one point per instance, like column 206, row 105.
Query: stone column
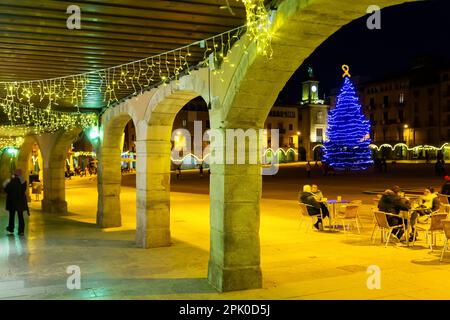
column 109, row 178
column 54, row 188
column 153, row 193
column 235, row 191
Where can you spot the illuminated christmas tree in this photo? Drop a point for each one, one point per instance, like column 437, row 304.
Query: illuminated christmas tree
column 348, row 138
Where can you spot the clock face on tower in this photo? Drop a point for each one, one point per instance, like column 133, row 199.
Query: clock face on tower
column 314, row 88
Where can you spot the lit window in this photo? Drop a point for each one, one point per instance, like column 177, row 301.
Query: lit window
column 401, row 98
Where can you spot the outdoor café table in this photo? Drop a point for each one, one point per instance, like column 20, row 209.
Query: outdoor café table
column 333, row 205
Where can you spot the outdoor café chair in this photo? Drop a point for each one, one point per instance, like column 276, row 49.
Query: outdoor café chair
column 353, row 203
column 434, row 226
column 383, row 224
column 349, row 215
column 309, row 218
column 446, row 226
column 443, row 199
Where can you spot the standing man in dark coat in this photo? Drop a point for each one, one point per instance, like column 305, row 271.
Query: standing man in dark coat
column 16, row 200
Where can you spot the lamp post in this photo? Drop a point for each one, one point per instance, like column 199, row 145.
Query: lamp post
column 407, row 139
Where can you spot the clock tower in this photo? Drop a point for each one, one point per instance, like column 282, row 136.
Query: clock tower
column 313, row 117
column 310, row 89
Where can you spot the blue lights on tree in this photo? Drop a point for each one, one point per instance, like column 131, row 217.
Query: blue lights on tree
column 348, row 132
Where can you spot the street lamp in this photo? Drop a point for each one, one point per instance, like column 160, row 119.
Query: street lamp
column 298, row 143
column 93, row 133
column 407, row 134
column 12, row 151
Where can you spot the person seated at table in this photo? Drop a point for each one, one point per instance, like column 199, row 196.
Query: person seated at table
column 317, row 193
column 428, row 203
column 319, row 197
column 312, row 205
column 427, row 200
column 404, row 199
column 392, row 203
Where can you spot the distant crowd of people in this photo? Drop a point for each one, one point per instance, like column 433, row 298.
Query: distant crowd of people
column 326, row 168
column 81, row 170
column 200, row 170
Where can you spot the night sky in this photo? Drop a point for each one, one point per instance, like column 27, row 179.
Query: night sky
column 407, row 31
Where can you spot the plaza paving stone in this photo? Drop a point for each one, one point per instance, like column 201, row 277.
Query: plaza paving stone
column 296, row 264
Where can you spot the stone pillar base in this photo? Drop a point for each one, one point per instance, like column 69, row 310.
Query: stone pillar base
column 109, row 220
column 233, row 279
column 54, row 206
column 155, row 238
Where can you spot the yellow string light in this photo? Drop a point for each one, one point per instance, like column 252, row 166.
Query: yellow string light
column 45, row 120
column 15, row 142
column 134, row 77
column 258, row 26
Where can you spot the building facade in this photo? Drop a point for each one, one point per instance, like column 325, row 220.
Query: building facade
column 302, row 126
column 411, row 108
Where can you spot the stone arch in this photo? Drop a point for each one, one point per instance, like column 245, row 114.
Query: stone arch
column 153, row 113
column 109, row 176
column 244, row 102
column 299, row 27
column 153, row 148
column 55, row 147
column 23, row 159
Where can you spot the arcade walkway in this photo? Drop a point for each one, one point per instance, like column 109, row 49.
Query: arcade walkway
column 295, row 265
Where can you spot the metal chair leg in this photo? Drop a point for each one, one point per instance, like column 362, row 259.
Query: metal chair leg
column 373, row 232
column 388, row 237
column 445, row 248
column 357, row 225
column 359, row 221
column 430, row 241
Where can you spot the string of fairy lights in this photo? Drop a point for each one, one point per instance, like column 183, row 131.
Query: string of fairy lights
column 11, row 142
column 33, row 103
column 43, row 120
column 258, row 25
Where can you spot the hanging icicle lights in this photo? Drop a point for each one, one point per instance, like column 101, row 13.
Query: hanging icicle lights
column 258, row 25
column 12, row 142
column 45, row 120
column 107, row 86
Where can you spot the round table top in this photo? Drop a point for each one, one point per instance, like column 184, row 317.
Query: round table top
column 335, row 201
